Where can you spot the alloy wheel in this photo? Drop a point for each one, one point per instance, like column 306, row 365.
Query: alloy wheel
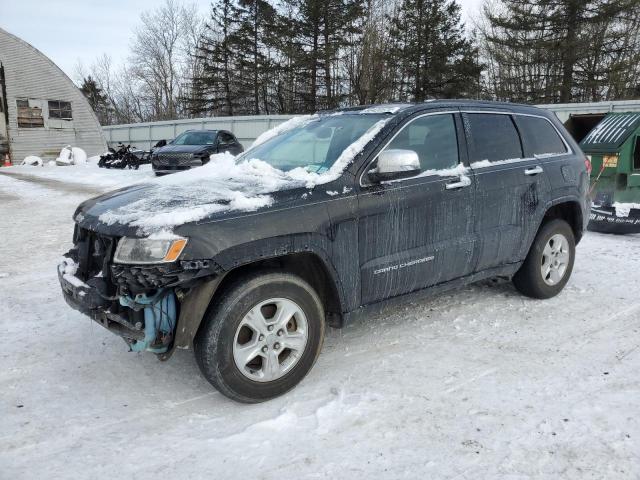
column 270, row 339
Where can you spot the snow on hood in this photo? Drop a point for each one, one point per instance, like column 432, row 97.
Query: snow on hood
column 223, row 184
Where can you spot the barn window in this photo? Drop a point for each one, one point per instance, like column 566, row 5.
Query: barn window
column 60, row 110
column 29, row 114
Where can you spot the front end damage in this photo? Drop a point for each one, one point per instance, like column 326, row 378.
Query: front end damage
column 143, row 304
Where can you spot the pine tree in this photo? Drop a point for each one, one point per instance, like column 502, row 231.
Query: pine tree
column 97, row 99
column 216, row 88
column 559, row 50
column 435, row 57
column 321, row 34
column 253, row 41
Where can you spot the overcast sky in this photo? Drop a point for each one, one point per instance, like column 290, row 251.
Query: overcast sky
column 68, row 31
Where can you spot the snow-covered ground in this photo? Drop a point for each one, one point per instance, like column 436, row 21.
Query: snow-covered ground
column 478, row 383
column 87, row 175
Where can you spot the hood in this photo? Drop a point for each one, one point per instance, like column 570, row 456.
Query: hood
column 219, row 189
column 184, row 149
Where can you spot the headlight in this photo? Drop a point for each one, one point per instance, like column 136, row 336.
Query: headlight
column 148, row 250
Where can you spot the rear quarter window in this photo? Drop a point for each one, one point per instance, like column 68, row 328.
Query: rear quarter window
column 539, row 137
column 492, row 137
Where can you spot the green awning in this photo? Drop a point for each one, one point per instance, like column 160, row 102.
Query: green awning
column 609, row 135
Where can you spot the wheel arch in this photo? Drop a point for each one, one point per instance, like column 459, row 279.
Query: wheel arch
column 311, row 266
column 568, row 210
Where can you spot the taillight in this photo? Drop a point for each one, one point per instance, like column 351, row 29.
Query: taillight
column 587, row 163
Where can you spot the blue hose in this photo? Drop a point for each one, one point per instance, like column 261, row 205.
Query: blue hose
column 159, row 317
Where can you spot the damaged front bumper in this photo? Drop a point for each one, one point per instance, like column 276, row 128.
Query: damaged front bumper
column 88, row 299
column 145, row 322
column 153, row 307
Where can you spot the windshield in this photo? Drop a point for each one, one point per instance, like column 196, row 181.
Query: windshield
column 315, row 145
column 195, row 138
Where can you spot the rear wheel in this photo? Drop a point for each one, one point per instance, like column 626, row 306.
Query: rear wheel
column 549, row 263
column 262, row 338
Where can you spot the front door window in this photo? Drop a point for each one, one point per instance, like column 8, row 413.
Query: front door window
column 433, row 138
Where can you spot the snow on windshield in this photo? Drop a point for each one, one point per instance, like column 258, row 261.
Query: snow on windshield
column 295, row 122
column 223, row 184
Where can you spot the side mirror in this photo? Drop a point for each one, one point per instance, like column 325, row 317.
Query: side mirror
column 161, row 143
column 394, row 164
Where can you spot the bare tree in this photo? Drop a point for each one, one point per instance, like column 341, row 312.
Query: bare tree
column 368, row 62
column 162, row 57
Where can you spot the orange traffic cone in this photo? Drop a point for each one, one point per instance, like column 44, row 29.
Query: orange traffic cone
column 7, row 162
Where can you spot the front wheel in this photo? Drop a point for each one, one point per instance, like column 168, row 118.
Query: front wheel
column 549, row 264
column 262, row 338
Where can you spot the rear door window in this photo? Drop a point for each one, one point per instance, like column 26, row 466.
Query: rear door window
column 492, row 137
column 539, row 136
column 225, row 138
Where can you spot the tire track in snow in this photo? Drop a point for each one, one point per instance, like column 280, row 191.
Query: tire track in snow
column 56, row 185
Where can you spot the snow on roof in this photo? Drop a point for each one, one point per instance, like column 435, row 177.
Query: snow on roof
column 388, row 108
column 612, row 131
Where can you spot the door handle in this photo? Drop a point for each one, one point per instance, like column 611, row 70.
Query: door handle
column 533, row 171
column 464, row 182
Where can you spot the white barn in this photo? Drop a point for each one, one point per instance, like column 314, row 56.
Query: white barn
column 41, row 110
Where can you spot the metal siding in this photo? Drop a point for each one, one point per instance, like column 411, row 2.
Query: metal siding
column 144, row 135
column 30, row 74
column 565, row 110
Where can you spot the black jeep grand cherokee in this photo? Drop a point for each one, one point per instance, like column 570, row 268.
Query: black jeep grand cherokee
column 335, row 216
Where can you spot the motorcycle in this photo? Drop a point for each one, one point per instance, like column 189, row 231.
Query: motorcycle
column 126, row 157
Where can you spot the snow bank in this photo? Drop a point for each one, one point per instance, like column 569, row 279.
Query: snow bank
column 223, row 184
column 71, row 156
column 66, row 157
column 79, row 156
column 290, row 124
column 33, row 161
column 88, row 175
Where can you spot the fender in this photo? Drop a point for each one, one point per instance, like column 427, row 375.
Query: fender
column 192, row 310
column 194, row 305
column 547, row 207
column 278, row 247
column 583, row 205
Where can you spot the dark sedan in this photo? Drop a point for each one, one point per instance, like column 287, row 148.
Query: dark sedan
column 193, row 149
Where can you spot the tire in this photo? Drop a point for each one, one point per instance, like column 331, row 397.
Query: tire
column 218, row 343
column 530, row 279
